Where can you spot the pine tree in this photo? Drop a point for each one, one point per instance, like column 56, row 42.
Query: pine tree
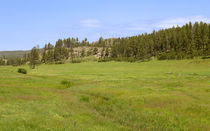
column 83, row 53
column 72, row 53
column 107, row 52
column 34, row 58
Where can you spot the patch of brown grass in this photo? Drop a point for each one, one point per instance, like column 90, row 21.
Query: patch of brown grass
column 28, row 97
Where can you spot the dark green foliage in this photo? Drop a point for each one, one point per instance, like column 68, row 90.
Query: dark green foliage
column 83, row 52
column 76, row 60
column 19, row 61
column 162, row 56
column 22, row 70
column 206, row 57
column 107, row 52
column 13, row 61
column 88, row 52
column 95, row 51
column 84, row 99
column 104, row 59
column 184, row 42
column 72, row 54
column 34, row 58
column 66, row 83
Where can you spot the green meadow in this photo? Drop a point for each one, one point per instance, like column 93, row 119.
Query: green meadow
column 113, row 96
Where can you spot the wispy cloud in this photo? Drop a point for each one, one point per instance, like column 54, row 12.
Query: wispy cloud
column 131, row 28
column 167, row 23
column 148, row 26
column 91, row 23
column 137, row 27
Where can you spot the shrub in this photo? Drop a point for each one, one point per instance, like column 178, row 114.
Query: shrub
column 84, row 99
column 171, row 55
column 131, row 59
column 22, row 70
column 206, row 57
column 88, row 52
column 162, row 56
column 76, row 61
column 60, row 62
column 66, row 83
column 105, row 59
column 89, row 58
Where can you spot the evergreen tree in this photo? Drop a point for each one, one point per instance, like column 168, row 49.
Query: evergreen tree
column 34, row 58
column 83, row 53
column 72, row 53
column 107, row 52
column 44, row 54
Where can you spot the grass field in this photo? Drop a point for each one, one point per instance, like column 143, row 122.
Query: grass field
column 112, row 96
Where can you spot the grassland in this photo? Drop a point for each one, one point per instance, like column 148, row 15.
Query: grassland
column 112, row 96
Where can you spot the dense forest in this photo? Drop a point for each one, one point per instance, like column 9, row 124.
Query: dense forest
column 175, row 43
column 186, row 42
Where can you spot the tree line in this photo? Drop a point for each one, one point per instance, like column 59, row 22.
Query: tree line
column 186, row 42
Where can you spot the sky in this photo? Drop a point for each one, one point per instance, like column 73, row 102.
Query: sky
column 27, row 23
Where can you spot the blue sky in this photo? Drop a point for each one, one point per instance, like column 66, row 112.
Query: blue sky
column 27, row 23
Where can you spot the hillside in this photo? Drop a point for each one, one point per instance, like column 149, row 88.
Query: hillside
column 13, row 54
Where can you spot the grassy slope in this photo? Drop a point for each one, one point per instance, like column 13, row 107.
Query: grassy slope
column 13, row 54
column 156, row 95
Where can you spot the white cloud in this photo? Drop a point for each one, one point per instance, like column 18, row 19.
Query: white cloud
column 137, row 27
column 168, row 23
column 91, row 23
column 165, row 23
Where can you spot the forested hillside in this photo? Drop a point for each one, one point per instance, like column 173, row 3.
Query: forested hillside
column 186, row 42
column 175, row 43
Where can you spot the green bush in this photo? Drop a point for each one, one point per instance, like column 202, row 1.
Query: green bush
column 84, row 99
column 66, row 83
column 105, row 59
column 60, row 62
column 22, row 70
column 131, row 59
column 206, row 57
column 171, row 55
column 162, row 56
column 76, row 60
column 89, row 58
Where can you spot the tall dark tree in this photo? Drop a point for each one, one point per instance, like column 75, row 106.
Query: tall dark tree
column 106, row 52
column 83, row 52
column 34, row 58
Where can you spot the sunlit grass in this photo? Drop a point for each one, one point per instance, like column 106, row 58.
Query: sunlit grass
column 155, row 95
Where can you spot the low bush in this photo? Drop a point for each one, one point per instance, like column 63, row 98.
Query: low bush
column 66, row 83
column 162, row 56
column 105, row 59
column 22, row 70
column 84, row 99
column 131, row 59
column 206, row 57
column 59, row 62
column 76, row 60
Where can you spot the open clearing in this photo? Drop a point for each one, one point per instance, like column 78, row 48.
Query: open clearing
column 155, row 95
